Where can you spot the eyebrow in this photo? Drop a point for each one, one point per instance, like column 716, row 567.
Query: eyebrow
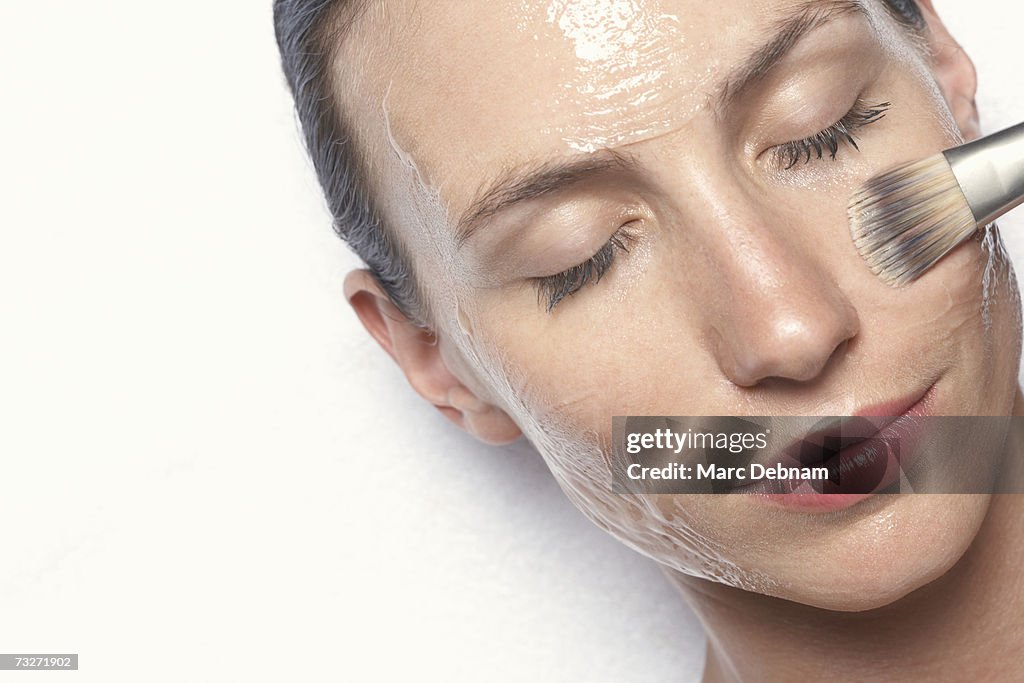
column 517, row 185
column 788, row 32
column 522, row 184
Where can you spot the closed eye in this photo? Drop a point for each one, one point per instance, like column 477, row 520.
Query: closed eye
column 830, row 140
column 553, row 289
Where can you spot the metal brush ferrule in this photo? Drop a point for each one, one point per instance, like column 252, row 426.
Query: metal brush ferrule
column 990, row 171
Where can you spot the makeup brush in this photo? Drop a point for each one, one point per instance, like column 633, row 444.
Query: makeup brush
column 906, row 219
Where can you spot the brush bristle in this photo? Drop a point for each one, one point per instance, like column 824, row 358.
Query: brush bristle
column 905, row 220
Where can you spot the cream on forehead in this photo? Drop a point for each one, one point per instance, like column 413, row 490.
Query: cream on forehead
column 632, row 76
column 601, row 30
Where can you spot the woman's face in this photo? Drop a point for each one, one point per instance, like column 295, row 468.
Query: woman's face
column 512, row 141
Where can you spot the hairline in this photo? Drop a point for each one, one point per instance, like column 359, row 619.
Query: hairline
column 335, row 33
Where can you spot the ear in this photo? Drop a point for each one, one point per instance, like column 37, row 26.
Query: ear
column 954, row 72
column 417, row 351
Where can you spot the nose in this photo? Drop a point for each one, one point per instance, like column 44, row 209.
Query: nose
column 782, row 317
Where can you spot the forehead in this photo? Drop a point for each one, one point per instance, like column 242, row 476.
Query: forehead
column 470, row 89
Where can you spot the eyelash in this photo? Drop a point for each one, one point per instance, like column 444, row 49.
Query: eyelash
column 556, row 288
column 829, row 141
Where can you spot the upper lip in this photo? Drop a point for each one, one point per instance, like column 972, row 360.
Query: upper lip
column 895, row 407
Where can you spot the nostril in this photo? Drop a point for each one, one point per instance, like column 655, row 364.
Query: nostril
column 797, row 348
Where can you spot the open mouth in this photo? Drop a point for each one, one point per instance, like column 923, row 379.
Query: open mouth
column 850, row 458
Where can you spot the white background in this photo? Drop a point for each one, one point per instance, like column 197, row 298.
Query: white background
column 209, row 472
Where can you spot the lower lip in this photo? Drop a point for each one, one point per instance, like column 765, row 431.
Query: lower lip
column 904, row 429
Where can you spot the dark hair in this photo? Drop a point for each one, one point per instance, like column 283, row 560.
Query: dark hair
column 309, row 33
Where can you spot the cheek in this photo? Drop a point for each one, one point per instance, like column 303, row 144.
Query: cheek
column 973, row 306
column 598, row 356
column 565, row 382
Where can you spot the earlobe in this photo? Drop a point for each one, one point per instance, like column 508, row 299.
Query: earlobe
column 955, row 73
column 486, row 422
column 418, row 353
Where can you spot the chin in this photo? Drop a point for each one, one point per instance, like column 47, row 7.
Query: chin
column 884, row 556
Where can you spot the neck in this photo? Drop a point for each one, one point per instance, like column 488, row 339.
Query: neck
column 965, row 625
